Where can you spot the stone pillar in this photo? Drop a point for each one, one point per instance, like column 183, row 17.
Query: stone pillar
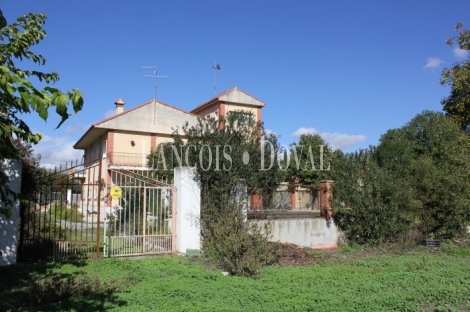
column 9, row 226
column 325, row 195
column 256, row 201
column 188, row 211
column 292, row 200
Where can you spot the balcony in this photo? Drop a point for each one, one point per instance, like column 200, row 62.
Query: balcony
column 128, row 160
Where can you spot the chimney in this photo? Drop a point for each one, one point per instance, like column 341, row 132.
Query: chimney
column 119, row 105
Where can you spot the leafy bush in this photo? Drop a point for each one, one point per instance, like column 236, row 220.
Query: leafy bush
column 369, row 204
column 59, row 212
column 413, row 184
column 226, row 183
column 37, row 226
column 237, row 246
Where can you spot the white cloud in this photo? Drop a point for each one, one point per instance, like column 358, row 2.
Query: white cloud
column 460, row 53
column 433, row 62
column 336, row 139
column 303, row 130
column 57, row 151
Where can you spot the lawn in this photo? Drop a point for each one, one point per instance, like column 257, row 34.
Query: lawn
column 387, row 279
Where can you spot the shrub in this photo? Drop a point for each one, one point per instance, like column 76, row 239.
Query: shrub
column 59, row 212
column 237, row 246
column 369, row 204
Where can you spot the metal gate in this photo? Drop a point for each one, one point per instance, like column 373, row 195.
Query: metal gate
column 68, row 214
column 141, row 217
column 59, row 214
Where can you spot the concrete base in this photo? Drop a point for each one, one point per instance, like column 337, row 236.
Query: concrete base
column 316, row 233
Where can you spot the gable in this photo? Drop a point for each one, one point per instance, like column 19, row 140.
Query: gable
column 151, row 118
column 240, row 97
column 233, row 95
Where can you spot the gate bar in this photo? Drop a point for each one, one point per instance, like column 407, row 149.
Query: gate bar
column 99, row 210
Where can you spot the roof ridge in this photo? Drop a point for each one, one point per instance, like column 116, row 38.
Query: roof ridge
column 222, row 94
column 140, row 106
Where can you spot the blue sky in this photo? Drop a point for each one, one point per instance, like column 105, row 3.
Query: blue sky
column 348, row 70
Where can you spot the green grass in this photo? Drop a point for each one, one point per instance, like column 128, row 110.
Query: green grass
column 422, row 279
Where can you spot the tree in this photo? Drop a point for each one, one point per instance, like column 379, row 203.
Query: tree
column 228, row 158
column 457, row 104
column 19, row 96
column 416, row 181
column 369, row 204
column 308, row 162
column 430, row 155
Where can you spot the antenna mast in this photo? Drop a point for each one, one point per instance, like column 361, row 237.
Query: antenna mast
column 154, row 76
column 216, row 67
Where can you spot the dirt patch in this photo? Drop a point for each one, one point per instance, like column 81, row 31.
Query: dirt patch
column 290, row 254
column 293, row 255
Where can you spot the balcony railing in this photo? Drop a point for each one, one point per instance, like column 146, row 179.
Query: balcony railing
column 127, row 159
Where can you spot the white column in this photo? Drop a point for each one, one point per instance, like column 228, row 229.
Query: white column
column 188, row 210
column 9, row 226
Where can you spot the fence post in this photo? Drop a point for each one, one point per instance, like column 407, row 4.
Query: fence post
column 188, row 210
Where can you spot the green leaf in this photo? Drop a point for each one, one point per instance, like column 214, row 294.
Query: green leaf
column 3, row 21
column 77, row 100
column 39, row 104
column 61, row 104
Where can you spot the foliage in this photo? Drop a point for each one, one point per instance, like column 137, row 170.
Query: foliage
column 30, row 169
column 19, row 96
column 415, row 180
column 239, row 247
column 309, row 160
column 420, row 280
column 60, row 212
column 308, row 163
column 231, row 162
column 432, row 160
column 457, row 104
column 37, row 225
column 369, row 204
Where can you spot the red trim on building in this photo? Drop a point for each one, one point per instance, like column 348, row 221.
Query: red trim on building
column 221, row 109
column 153, row 142
column 221, row 113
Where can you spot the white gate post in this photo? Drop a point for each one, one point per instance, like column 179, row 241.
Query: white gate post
column 188, row 210
column 9, row 226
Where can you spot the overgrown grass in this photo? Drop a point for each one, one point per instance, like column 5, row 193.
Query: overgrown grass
column 387, row 279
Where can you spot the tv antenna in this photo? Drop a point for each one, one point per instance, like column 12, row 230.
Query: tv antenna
column 154, row 76
column 215, row 67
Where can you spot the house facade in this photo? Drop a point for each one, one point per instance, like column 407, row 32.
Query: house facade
column 124, row 140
